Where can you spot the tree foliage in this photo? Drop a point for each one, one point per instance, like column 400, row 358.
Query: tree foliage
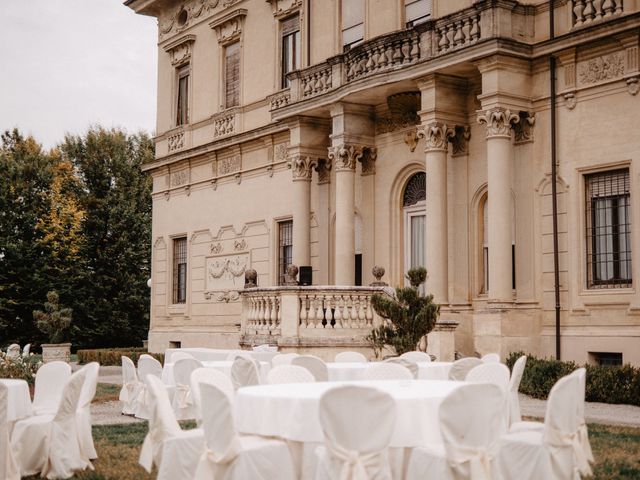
column 54, row 321
column 410, row 315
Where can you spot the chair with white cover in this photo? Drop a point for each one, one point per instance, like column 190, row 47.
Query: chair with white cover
column 130, row 387
column 283, row 359
column 554, row 451
column 180, row 356
column 315, row 365
column 50, row 381
column 491, row 358
column 352, row 449
column 183, row 405
column 416, row 356
column 13, row 351
column 229, row 456
column 289, row 374
column 48, row 444
column 174, row 451
column 460, row 368
column 147, row 365
column 471, row 437
column 513, row 402
column 387, row 371
column 406, row 363
column 26, row 351
column 265, row 347
column 496, row 373
column 8, row 466
column 244, row 372
column 212, row 377
column 350, row 357
column 83, row 414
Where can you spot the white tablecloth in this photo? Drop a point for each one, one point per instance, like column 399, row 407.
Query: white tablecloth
column 19, row 399
column 223, row 366
column 345, row 371
column 290, row 411
column 213, row 355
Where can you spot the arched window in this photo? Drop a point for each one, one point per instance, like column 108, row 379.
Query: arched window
column 414, row 212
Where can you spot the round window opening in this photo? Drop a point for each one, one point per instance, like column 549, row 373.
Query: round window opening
column 182, row 17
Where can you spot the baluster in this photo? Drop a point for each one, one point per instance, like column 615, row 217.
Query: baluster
column 320, row 310
column 397, row 53
column 330, row 307
column 274, row 313
column 406, row 49
column 338, row 314
column 368, row 313
column 618, row 7
column 466, row 29
column 267, row 313
column 597, row 6
column 311, row 315
column 279, row 319
column 382, row 56
column 450, row 34
column 444, row 41
column 458, row 38
column 352, row 313
column 303, row 312
column 607, row 8
column 260, row 310
column 415, row 50
column 588, row 11
column 361, row 314
column 578, row 9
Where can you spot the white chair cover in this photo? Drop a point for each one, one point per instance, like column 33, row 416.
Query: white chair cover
column 350, row 357
column 283, row 359
column 387, row 371
column 51, row 379
column 513, row 402
column 26, row 351
column 130, row 387
column 232, row 457
column 406, row 363
column 13, row 351
column 8, row 466
column 83, row 415
column 210, row 376
column 180, row 356
column 491, row 358
column 461, row 367
column 353, row 450
column 244, row 373
column 416, row 356
column 147, row 365
column 471, row 437
column 174, row 451
column 554, row 452
column 496, row 373
column 315, row 365
column 183, row 405
column 48, row 444
column 583, row 433
column 289, row 374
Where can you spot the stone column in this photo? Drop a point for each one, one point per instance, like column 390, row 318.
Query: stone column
column 301, row 166
column 436, row 135
column 344, row 159
column 498, row 122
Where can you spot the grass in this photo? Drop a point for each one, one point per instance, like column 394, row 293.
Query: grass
column 106, row 392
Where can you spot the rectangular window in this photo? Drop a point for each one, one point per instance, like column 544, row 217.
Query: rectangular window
column 606, row 359
column 417, row 11
column 285, row 249
column 232, row 75
column 182, row 110
column 608, row 220
column 180, row 270
column 352, row 22
column 290, row 31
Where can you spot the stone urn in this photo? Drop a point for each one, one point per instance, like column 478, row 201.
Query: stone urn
column 52, row 352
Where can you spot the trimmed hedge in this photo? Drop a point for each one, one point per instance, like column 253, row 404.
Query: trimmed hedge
column 111, row 356
column 611, row 384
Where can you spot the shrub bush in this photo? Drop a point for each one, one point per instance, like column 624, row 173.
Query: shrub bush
column 19, row 368
column 111, row 356
column 611, row 384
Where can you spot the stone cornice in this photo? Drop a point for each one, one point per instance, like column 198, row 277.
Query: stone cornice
column 229, row 27
column 284, row 8
column 180, row 49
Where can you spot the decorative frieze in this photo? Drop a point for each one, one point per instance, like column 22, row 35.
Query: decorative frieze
column 226, row 272
column 229, row 165
column 179, row 178
column 240, row 245
column 436, row 135
column 180, row 50
column 498, row 121
column 601, row 69
column 229, row 28
column 345, row 156
column 175, row 141
column 182, row 17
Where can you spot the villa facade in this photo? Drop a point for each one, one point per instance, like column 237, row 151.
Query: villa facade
column 339, row 135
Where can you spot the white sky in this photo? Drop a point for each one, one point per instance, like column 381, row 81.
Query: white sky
column 68, row 64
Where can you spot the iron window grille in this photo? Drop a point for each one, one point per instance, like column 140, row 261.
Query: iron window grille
column 179, row 270
column 608, row 232
column 285, row 249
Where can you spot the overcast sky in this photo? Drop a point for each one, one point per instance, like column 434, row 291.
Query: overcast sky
column 67, row 64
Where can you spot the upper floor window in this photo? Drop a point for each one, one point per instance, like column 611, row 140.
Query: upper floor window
column 232, row 75
column 352, row 22
column 182, row 100
column 180, row 270
column 417, row 11
column 608, row 221
column 290, row 32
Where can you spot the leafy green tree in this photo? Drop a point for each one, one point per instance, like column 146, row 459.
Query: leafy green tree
column 54, row 321
column 410, row 316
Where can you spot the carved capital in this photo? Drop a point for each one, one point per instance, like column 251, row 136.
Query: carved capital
column 345, row 156
column 369, row 161
column 460, row 141
column 324, row 170
column 498, row 121
column 301, row 166
column 436, row 135
column 523, row 129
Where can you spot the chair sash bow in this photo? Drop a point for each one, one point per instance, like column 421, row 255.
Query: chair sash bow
column 479, row 459
column 183, row 396
column 354, row 463
column 559, row 438
column 210, row 460
column 129, row 391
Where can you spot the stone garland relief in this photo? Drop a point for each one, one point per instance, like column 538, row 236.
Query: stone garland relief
column 225, row 276
column 600, row 69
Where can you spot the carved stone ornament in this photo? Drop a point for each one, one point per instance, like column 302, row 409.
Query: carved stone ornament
column 291, row 278
column 570, row 100
column 600, row 69
column 324, row 170
column 498, row 121
column 179, row 178
column 633, row 85
column 228, row 165
column 369, row 161
column 175, row 141
column 180, row 50
column 223, row 296
column 282, row 8
column 226, row 272
column 216, row 248
column 239, row 245
column 229, row 28
column 411, row 139
column 345, row 156
column 250, row 278
column 183, row 16
column 460, row 141
column 301, row 167
column 436, row 135
column 280, row 151
column 523, row 130
column 378, row 273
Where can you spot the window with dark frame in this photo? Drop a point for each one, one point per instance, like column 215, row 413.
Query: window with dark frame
column 232, row 75
column 285, row 249
column 182, row 110
column 608, row 232
column 180, row 270
column 417, row 11
column 290, row 32
column 352, row 23
column 607, row 359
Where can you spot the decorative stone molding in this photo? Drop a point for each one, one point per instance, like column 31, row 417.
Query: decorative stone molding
column 498, row 121
column 216, row 248
column 229, row 28
column 301, row 167
column 283, row 8
column 185, row 15
column 175, row 141
column 180, row 50
column 223, row 296
column 225, row 273
column 570, row 100
column 227, row 166
column 601, row 69
column 460, row 140
column 368, row 161
column 411, row 139
column 240, row 245
column 179, row 178
column 523, row 129
column 280, row 151
column 324, row 171
column 633, row 85
column 436, row 135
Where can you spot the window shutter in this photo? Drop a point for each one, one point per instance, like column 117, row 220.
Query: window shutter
column 232, row 75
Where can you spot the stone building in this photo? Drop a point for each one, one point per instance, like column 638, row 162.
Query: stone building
column 343, row 134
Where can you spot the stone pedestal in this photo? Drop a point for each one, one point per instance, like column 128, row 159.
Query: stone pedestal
column 52, row 352
column 441, row 341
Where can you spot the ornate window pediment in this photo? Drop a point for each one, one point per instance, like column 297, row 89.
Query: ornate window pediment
column 188, row 13
column 180, row 50
column 229, row 28
column 283, row 8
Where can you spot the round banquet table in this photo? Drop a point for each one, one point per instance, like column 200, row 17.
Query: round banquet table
column 224, row 366
column 214, row 355
column 350, row 371
column 19, row 401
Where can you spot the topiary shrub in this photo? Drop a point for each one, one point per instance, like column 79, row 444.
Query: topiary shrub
column 54, row 322
column 112, row 356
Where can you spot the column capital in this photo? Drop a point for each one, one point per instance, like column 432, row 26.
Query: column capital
column 301, row 166
column 323, row 168
column 345, row 156
column 498, row 121
column 436, row 135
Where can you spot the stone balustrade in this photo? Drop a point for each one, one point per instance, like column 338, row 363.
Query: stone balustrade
column 279, row 100
column 588, row 11
column 458, row 32
column 224, row 124
column 316, row 80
